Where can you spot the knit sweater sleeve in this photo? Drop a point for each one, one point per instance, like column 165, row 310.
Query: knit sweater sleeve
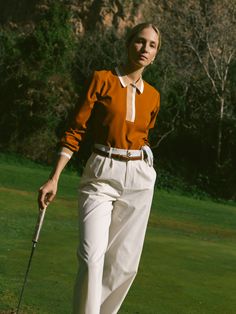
column 78, row 126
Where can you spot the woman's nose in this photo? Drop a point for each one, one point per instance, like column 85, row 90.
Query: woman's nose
column 145, row 47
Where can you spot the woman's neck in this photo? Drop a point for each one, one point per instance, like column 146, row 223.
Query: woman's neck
column 133, row 73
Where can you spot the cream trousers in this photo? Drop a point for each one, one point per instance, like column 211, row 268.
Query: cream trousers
column 114, row 205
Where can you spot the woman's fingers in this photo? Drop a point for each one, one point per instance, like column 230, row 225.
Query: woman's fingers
column 50, row 197
column 46, row 194
column 42, row 198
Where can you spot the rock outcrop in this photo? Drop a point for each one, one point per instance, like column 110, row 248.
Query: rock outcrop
column 87, row 15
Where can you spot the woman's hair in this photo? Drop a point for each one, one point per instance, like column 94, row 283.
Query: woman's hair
column 138, row 28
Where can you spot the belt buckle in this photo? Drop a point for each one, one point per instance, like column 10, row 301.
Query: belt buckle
column 128, row 155
column 124, row 157
column 119, row 157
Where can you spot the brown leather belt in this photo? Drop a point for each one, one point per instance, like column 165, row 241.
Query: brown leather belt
column 117, row 156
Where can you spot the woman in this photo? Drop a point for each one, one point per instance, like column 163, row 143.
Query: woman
column 116, row 188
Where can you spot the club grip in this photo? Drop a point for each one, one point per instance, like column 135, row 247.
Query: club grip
column 39, row 224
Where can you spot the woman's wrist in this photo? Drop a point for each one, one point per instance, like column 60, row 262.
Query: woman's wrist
column 65, row 154
column 54, row 178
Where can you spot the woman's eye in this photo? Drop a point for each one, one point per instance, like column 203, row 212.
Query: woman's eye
column 139, row 40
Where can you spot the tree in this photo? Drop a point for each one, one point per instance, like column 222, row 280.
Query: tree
column 213, row 43
column 208, row 29
column 196, row 66
column 37, row 90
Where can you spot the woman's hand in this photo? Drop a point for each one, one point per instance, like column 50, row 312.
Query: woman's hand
column 46, row 193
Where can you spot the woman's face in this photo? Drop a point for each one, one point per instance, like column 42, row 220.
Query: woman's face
column 143, row 48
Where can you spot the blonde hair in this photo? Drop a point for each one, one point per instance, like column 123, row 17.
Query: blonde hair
column 138, row 28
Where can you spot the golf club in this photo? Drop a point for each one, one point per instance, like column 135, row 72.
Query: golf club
column 34, row 240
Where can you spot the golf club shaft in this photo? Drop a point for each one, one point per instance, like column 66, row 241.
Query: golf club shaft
column 34, row 240
column 39, row 225
column 25, row 279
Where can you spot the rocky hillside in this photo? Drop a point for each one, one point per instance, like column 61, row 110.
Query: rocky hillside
column 86, row 14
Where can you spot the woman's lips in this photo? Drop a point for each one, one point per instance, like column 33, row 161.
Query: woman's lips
column 143, row 57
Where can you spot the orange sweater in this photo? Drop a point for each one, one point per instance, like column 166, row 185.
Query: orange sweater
column 121, row 112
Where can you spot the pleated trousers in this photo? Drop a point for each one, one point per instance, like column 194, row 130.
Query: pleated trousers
column 114, row 205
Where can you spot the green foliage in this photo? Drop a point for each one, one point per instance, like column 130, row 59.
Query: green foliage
column 51, row 45
column 99, row 50
column 38, row 90
column 195, row 47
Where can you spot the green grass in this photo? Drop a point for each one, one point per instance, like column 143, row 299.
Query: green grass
column 188, row 264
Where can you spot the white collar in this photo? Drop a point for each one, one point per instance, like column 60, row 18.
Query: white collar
column 125, row 81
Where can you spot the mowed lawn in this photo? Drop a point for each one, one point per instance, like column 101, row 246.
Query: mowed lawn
column 188, row 264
